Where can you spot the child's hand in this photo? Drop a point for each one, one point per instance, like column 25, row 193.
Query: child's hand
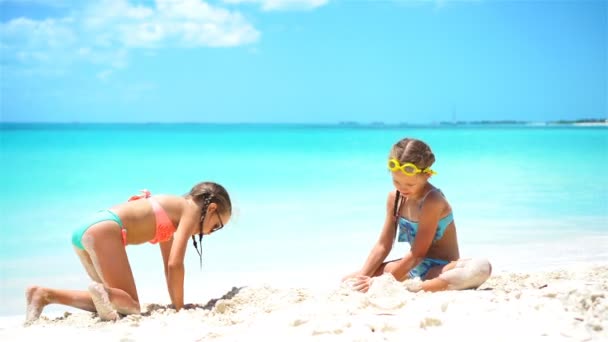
column 359, row 283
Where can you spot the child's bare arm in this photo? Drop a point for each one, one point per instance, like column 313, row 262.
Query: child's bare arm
column 427, row 227
column 385, row 242
column 165, row 250
column 175, row 266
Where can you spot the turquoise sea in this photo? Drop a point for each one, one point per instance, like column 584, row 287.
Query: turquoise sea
column 306, row 197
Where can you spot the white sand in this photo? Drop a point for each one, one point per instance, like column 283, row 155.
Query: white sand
column 570, row 305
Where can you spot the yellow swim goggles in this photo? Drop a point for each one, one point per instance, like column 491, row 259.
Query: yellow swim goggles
column 408, row 168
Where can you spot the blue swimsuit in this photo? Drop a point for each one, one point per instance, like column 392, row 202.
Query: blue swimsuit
column 408, row 230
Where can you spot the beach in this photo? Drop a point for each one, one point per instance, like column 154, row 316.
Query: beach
column 303, row 111
column 309, row 203
column 559, row 305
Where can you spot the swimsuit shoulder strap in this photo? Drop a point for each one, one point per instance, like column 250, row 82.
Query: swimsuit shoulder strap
column 162, row 218
column 145, row 194
column 425, row 195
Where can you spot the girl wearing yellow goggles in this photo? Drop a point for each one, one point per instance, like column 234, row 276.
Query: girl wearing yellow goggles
column 422, row 217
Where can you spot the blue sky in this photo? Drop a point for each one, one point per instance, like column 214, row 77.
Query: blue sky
column 320, row 61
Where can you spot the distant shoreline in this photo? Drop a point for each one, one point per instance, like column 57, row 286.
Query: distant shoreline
column 341, row 124
column 578, row 122
column 591, row 123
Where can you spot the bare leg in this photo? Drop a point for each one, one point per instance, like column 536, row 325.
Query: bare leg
column 94, row 300
column 102, row 302
column 39, row 297
column 118, row 292
column 457, row 275
column 103, row 244
column 432, row 282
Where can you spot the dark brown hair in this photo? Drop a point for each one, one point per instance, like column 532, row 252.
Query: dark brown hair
column 413, row 151
column 203, row 194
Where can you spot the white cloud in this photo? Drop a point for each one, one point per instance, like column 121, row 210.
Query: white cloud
column 49, row 33
column 104, row 32
column 283, row 5
column 185, row 23
column 36, row 46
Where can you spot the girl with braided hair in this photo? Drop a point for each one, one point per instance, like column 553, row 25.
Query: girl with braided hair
column 418, row 213
column 100, row 243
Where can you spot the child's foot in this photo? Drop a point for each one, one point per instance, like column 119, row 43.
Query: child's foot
column 102, row 302
column 36, row 298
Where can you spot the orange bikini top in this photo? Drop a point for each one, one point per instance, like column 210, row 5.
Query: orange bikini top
column 164, row 226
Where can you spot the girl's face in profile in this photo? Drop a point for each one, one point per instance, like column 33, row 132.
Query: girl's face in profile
column 213, row 220
column 409, row 185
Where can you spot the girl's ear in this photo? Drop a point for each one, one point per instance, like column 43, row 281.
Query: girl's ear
column 211, row 208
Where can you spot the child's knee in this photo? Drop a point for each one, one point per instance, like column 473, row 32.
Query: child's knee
column 468, row 274
column 483, row 268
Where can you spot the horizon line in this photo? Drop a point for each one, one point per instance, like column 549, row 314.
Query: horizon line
column 337, row 123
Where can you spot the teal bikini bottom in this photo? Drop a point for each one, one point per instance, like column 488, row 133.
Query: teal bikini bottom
column 100, row 216
column 423, row 267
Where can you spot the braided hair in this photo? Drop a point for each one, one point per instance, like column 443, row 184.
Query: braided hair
column 413, row 151
column 204, row 194
column 206, row 202
column 396, row 208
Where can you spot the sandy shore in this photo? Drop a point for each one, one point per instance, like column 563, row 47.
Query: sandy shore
column 570, row 305
column 601, row 124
